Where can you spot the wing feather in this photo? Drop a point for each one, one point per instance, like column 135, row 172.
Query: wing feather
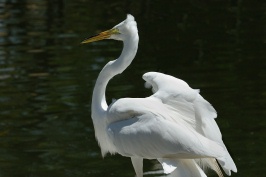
column 152, row 134
column 187, row 104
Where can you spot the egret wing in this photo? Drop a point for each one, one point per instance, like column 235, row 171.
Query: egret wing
column 149, row 132
column 188, row 105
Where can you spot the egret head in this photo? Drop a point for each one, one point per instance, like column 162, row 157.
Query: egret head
column 123, row 30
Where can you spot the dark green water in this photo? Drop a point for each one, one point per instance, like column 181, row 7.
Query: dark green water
column 47, row 77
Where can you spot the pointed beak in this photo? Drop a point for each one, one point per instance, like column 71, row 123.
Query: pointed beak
column 103, row 35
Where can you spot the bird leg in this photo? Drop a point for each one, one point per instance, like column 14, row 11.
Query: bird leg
column 138, row 165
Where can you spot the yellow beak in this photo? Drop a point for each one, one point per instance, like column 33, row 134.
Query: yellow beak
column 101, row 36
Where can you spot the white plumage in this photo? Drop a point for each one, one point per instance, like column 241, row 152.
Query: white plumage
column 175, row 125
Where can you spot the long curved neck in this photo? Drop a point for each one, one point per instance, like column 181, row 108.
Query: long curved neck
column 111, row 69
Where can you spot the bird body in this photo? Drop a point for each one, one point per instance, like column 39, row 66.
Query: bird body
column 136, row 119
column 175, row 125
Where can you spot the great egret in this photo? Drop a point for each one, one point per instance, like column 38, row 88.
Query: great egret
column 175, row 125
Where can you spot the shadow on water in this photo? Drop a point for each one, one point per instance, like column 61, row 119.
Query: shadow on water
column 46, row 77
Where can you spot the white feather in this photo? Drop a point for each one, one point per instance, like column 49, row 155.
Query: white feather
column 175, row 125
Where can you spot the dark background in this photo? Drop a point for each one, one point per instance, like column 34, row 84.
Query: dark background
column 47, row 77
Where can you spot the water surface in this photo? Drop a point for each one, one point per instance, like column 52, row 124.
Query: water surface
column 47, row 77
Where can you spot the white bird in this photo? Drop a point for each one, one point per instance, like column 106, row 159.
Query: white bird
column 175, row 125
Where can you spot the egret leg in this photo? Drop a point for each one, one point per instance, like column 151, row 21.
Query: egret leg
column 138, row 165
